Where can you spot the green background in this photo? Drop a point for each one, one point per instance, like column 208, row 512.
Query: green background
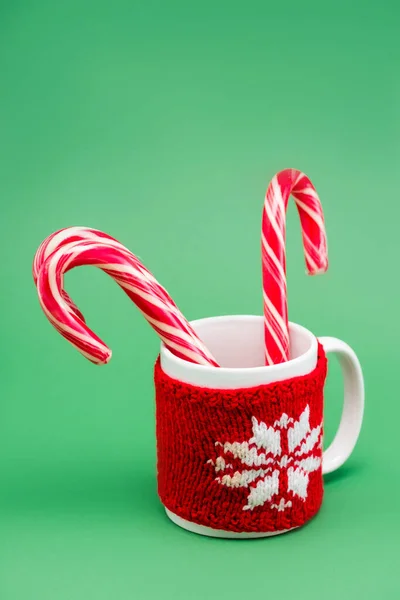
column 162, row 124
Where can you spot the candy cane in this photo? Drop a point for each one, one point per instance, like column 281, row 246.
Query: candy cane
column 285, row 183
column 68, row 235
column 123, row 267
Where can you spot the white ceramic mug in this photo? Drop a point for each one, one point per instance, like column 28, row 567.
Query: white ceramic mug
column 237, row 343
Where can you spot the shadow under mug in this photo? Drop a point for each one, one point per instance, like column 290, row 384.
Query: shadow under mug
column 239, row 448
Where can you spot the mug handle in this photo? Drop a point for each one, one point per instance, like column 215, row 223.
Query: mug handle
column 353, row 405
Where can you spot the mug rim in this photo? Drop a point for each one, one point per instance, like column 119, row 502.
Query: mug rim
column 288, row 365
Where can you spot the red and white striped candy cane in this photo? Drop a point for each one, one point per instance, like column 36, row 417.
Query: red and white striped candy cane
column 63, row 237
column 273, row 236
column 123, row 267
column 66, row 236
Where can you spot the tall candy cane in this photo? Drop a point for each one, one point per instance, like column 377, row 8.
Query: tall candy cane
column 126, row 269
column 273, row 236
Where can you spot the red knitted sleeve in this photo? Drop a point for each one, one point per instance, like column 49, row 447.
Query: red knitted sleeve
column 241, row 460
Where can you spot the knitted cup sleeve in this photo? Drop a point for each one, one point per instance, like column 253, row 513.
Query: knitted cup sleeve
column 243, row 460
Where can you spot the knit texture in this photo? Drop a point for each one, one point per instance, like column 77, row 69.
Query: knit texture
column 246, row 460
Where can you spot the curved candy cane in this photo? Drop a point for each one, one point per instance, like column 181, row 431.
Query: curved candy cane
column 63, row 237
column 273, row 236
column 126, row 269
column 66, row 236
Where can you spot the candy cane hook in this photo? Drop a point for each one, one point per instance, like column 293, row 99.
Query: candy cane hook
column 66, row 236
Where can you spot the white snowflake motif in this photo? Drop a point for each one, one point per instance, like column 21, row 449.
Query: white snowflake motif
column 289, row 445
